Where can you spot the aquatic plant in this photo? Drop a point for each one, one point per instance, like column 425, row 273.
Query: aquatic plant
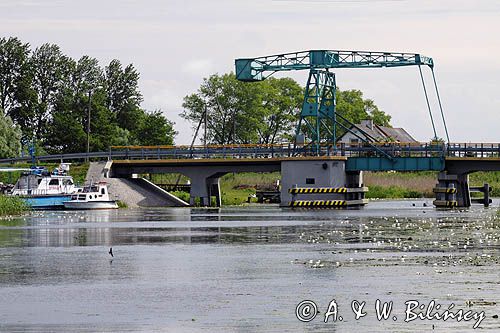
column 121, row 204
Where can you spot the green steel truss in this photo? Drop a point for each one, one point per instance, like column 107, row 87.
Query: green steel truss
column 257, row 69
column 318, row 108
column 318, row 115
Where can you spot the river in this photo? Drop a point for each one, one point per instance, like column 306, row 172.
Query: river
column 246, row 269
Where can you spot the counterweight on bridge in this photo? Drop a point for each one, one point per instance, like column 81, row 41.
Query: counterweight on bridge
column 318, row 115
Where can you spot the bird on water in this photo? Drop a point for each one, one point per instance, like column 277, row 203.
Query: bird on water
column 111, row 251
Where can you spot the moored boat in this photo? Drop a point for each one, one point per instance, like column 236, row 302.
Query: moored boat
column 41, row 189
column 94, row 196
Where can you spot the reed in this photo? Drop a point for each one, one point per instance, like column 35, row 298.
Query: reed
column 12, row 205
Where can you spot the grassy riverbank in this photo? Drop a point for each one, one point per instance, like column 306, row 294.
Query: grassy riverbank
column 398, row 185
column 11, row 206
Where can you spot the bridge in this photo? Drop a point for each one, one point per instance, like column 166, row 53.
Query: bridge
column 320, row 172
column 333, row 169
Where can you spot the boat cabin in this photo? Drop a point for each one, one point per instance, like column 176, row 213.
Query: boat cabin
column 43, row 184
column 94, row 192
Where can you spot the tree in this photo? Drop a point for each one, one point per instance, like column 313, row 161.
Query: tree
column 46, row 93
column 124, row 97
column 49, row 73
column 13, row 68
column 239, row 112
column 232, row 107
column 281, row 101
column 86, row 76
column 155, row 129
column 66, row 129
column 264, row 112
column 10, row 137
column 352, row 106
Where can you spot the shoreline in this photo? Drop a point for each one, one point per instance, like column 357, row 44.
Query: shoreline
column 237, row 188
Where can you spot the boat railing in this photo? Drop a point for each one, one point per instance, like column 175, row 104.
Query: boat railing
column 35, row 192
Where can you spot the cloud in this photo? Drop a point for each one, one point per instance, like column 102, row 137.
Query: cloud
column 175, row 43
column 198, row 67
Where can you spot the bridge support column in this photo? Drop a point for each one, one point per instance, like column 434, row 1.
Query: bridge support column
column 354, row 180
column 213, row 185
column 204, row 187
column 452, row 190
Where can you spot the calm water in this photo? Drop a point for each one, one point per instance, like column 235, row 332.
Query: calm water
column 246, row 269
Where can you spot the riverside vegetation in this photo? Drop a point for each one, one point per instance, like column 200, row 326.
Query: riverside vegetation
column 11, row 206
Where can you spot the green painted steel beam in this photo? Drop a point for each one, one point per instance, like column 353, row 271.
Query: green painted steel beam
column 397, row 164
column 254, row 69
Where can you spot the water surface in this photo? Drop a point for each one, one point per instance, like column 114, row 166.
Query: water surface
column 246, row 269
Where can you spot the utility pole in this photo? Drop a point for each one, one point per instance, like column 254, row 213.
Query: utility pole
column 234, row 127
column 206, row 125
column 88, row 127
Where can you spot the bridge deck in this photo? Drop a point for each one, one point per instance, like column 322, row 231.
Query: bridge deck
column 127, row 167
column 371, row 157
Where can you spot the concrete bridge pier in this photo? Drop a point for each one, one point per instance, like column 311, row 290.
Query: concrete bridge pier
column 321, row 182
column 204, row 186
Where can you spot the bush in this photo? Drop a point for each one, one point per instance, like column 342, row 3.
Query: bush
column 12, row 205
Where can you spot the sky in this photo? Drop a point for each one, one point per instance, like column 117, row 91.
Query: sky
column 174, row 44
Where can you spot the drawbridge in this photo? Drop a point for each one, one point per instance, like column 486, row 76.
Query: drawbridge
column 319, row 120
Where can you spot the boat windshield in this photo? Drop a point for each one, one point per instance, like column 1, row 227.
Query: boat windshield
column 88, row 189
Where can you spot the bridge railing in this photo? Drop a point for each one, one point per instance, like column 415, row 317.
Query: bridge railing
column 388, row 149
column 277, row 150
column 477, row 150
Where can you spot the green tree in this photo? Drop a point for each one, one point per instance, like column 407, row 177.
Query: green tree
column 239, row 112
column 265, row 112
column 13, row 69
column 66, row 129
column 281, row 102
column 86, row 76
column 155, row 129
column 10, row 137
column 352, row 106
column 123, row 94
column 49, row 73
column 46, row 93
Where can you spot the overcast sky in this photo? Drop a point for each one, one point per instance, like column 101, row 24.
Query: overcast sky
column 175, row 44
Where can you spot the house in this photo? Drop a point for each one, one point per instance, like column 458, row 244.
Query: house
column 379, row 133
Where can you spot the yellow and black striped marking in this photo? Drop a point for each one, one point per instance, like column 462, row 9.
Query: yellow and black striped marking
column 444, row 190
column 317, row 190
column 445, row 203
column 318, row 203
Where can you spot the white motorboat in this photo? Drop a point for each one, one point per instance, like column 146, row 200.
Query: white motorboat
column 42, row 189
column 95, row 196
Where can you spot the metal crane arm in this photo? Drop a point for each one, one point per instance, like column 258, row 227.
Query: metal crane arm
column 253, row 69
